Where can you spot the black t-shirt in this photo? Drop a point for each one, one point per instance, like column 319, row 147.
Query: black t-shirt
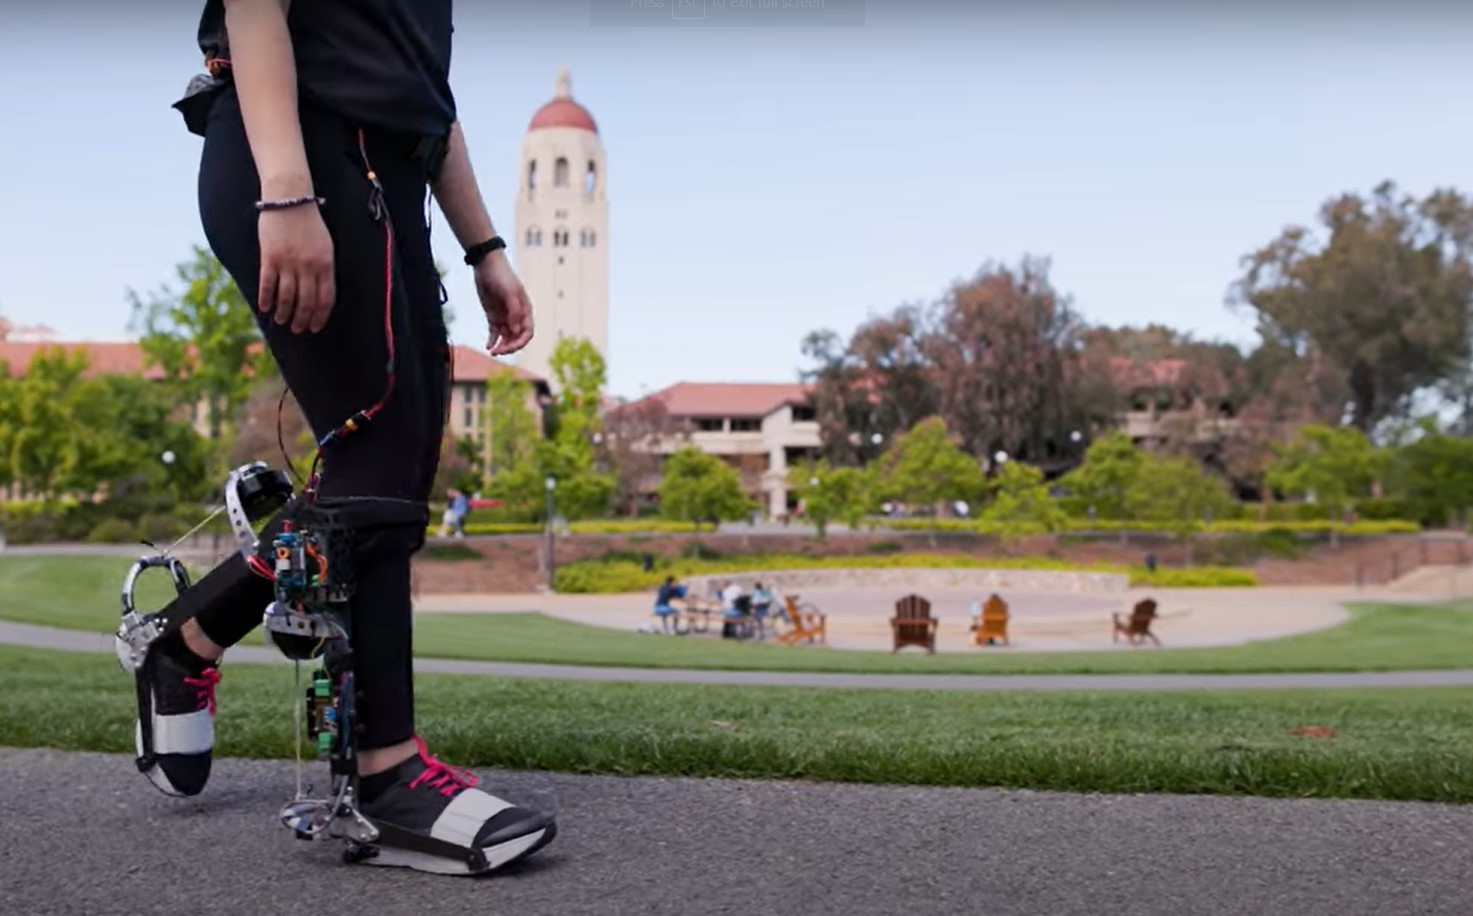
column 383, row 63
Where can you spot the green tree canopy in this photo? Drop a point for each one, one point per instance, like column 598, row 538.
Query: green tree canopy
column 698, row 486
column 1175, row 492
column 204, row 338
column 1383, row 297
column 925, row 467
column 1334, row 465
column 1434, row 475
column 832, row 494
column 1023, row 506
column 1104, row 479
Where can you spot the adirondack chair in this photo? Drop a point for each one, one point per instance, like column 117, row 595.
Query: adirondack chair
column 1137, row 627
column 994, row 623
column 808, row 623
column 913, row 624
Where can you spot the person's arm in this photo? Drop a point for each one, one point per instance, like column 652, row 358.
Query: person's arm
column 265, row 73
column 296, row 282
column 508, row 313
column 459, row 195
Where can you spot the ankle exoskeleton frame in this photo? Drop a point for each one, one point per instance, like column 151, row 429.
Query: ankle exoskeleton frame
column 311, row 574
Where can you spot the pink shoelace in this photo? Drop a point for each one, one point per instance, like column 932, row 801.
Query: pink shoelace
column 442, row 776
column 206, row 687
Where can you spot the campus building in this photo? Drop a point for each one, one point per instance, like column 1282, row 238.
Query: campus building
column 762, row 430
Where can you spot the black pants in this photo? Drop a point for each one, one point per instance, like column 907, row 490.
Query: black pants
column 381, row 475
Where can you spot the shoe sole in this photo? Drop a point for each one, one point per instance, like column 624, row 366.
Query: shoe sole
column 498, row 856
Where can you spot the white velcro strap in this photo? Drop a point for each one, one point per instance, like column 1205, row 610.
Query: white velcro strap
column 466, row 815
column 191, row 733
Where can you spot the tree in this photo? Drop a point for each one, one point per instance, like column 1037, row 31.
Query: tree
column 46, row 442
column 204, row 338
column 67, row 433
column 1380, row 306
column 568, row 456
column 1006, row 347
column 1332, row 465
column 698, row 486
column 635, row 436
column 1103, row 480
column 1433, row 474
column 832, row 494
column 878, row 384
column 515, row 433
column 1023, row 506
column 1174, row 491
column 925, row 467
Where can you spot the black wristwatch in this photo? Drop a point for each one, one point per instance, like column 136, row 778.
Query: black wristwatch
column 477, row 253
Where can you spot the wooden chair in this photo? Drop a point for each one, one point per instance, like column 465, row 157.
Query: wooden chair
column 913, row 624
column 807, row 623
column 994, row 623
column 1137, row 627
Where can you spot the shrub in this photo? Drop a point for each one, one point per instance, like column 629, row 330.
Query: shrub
column 882, row 547
column 623, row 575
column 157, row 528
column 113, row 531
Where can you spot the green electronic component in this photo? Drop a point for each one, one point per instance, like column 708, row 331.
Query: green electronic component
column 324, row 743
column 322, row 687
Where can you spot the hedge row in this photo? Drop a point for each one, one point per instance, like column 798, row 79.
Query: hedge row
column 97, row 523
column 621, row 575
column 588, row 526
column 1235, row 526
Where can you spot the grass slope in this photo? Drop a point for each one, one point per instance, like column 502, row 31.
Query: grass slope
column 1398, row 744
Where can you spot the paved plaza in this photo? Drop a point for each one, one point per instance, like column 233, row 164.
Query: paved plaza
column 858, row 618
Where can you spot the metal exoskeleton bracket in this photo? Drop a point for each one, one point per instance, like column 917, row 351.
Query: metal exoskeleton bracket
column 252, row 491
column 137, row 631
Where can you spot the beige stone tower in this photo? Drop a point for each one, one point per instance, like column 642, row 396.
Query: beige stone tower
column 562, row 240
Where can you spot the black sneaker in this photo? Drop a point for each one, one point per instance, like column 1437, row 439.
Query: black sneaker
column 175, row 731
column 433, row 818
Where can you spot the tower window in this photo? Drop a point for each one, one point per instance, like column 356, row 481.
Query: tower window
column 590, row 179
column 534, row 237
column 532, row 174
column 560, row 172
column 560, row 238
column 586, row 238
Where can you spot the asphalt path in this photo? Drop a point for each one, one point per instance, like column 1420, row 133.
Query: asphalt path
column 85, row 834
column 20, row 634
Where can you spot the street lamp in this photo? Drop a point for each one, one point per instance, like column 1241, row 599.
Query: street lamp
column 1076, row 437
column 167, row 457
column 551, row 483
column 1001, row 457
column 876, row 439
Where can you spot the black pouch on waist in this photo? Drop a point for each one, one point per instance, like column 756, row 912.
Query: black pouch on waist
column 200, row 95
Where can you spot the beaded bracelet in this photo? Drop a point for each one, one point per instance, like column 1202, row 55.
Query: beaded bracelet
column 288, row 204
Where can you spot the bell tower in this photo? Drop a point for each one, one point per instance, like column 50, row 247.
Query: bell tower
column 562, row 220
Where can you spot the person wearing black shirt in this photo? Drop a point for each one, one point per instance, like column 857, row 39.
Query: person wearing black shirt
column 326, row 126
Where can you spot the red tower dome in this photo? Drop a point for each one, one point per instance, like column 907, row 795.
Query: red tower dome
column 562, row 111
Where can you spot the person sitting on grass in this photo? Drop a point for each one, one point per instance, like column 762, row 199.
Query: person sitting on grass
column 669, row 591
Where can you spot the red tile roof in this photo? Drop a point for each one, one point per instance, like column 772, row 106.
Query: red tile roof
column 473, row 365
column 104, row 358
column 728, row 399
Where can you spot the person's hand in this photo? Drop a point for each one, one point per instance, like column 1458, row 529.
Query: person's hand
column 297, row 285
column 508, row 312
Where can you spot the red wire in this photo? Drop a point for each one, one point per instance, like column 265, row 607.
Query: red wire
column 351, row 424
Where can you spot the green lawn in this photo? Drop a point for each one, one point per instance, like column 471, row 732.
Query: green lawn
column 1414, row 744
column 81, row 592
